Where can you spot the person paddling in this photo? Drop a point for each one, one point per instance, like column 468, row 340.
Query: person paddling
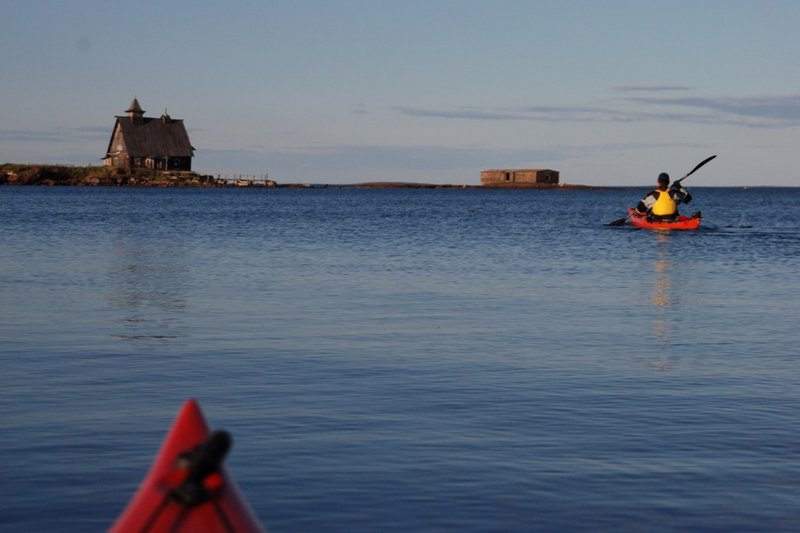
column 662, row 203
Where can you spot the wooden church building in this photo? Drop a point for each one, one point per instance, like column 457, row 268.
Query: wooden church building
column 148, row 142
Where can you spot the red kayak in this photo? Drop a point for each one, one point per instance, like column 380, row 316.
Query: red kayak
column 188, row 488
column 681, row 223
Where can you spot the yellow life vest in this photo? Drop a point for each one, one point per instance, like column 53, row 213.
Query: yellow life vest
column 664, row 205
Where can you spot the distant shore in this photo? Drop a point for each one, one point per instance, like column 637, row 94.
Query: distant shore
column 100, row 176
column 413, row 185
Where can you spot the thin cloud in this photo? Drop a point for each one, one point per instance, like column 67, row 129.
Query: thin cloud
column 90, row 133
column 751, row 112
column 469, row 113
column 766, row 110
column 577, row 114
column 530, row 113
column 359, row 109
column 651, row 88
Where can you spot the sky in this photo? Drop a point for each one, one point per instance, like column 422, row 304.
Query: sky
column 607, row 93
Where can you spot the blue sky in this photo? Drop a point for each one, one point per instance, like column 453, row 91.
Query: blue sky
column 608, row 93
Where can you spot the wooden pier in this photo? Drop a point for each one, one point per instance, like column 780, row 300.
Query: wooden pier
column 245, row 180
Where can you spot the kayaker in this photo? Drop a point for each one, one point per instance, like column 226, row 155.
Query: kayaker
column 662, row 202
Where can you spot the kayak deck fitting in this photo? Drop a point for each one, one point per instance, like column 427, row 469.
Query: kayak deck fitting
column 188, row 488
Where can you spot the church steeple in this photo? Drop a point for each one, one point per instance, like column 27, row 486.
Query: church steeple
column 135, row 111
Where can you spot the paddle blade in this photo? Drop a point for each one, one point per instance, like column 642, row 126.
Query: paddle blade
column 700, row 164
column 619, row 222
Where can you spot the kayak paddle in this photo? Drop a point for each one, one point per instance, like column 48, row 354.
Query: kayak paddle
column 622, row 221
column 700, row 164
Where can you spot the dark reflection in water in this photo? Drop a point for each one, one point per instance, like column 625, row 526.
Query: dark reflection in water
column 149, row 289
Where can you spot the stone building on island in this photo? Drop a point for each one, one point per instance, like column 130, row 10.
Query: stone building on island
column 148, row 142
column 524, row 177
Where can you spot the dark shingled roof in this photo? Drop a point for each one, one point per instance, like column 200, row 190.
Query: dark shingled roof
column 155, row 137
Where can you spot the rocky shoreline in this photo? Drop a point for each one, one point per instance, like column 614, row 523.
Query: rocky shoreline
column 93, row 176
column 99, row 176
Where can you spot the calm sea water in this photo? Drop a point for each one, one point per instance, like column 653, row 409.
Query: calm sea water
column 405, row 360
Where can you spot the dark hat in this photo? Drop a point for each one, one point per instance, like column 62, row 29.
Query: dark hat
column 663, row 177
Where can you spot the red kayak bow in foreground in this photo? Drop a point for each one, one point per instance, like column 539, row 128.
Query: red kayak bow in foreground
column 188, row 488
